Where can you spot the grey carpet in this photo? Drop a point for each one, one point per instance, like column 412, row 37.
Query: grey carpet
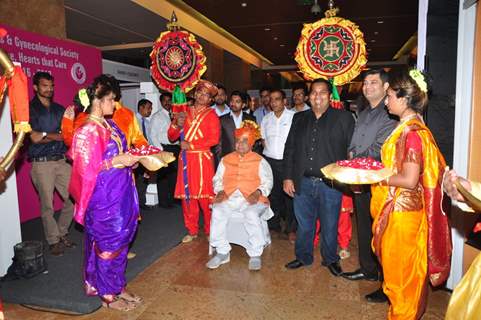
column 62, row 287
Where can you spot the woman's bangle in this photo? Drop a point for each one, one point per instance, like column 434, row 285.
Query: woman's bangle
column 387, row 181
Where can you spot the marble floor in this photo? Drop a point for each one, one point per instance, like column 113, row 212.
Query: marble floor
column 178, row 286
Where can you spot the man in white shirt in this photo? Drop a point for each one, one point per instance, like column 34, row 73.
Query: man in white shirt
column 299, row 97
column 274, row 130
column 166, row 178
column 264, row 108
column 142, row 176
column 220, row 106
column 144, row 110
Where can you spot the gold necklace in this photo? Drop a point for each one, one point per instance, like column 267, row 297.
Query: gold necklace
column 113, row 134
column 99, row 120
column 408, row 117
column 116, row 137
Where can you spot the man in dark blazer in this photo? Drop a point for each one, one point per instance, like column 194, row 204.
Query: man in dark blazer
column 317, row 137
column 231, row 121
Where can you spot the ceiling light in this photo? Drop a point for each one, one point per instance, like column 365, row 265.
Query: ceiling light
column 316, row 8
column 244, row 4
column 376, row 33
column 267, row 29
column 373, row 40
column 380, row 21
column 275, row 38
column 282, row 45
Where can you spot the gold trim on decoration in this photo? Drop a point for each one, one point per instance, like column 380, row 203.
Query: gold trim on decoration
column 356, row 65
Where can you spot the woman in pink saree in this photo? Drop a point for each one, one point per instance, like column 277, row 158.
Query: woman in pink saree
column 106, row 199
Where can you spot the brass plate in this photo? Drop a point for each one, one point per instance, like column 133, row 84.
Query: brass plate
column 471, row 200
column 349, row 175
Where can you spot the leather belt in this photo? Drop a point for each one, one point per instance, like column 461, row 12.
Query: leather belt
column 329, row 182
column 55, row 157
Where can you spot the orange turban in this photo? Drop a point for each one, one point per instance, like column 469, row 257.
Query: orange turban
column 208, row 85
column 250, row 130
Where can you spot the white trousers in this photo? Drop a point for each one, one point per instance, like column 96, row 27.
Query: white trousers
column 237, row 206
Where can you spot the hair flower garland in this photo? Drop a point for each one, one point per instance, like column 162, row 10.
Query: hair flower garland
column 418, row 77
column 84, row 98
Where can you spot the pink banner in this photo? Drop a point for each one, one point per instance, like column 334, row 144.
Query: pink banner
column 72, row 65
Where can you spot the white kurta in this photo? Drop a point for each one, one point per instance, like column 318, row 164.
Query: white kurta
column 254, row 216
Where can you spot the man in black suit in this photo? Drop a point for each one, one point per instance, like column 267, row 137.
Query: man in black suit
column 317, row 137
column 231, row 121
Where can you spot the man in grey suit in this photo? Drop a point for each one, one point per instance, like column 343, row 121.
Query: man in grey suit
column 231, row 121
column 372, row 128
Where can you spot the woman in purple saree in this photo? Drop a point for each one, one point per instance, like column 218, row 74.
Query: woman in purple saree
column 105, row 195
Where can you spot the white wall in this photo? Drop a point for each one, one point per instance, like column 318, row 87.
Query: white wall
column 9, row 214
column 125, row 72
column 131, row 96
column 150, row 91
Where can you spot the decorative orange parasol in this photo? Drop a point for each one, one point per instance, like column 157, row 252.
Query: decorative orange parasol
column 13, row 78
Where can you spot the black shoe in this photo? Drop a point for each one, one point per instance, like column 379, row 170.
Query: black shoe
column 294, row 264
column 335, row 269
column 57, row 249
column 146, row 207
column 359, row 275
column 377, row 296
column 67, row 242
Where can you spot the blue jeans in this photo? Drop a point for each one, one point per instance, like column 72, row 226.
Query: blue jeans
column 317, row 200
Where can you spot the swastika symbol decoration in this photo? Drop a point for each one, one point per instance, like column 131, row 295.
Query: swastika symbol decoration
column 332, row 47
column 177, row 59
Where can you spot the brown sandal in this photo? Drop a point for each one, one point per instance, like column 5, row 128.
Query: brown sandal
column 118, row 303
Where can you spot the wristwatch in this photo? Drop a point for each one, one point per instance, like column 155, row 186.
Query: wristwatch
column 44, row 134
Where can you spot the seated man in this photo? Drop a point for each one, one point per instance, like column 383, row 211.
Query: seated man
column 242, row 183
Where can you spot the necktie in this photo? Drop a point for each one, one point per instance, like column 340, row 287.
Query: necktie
column 143, row 128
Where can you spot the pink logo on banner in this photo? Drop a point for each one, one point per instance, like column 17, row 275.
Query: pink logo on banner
column 78, row 73
column 73, row 67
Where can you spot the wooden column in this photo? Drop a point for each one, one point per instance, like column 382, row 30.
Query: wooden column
column 474, row 164
column 474, row 167
column 46, row 17
column 215, row 63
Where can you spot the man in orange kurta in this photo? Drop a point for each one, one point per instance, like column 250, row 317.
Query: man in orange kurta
column 201, row 130
column 242, row 183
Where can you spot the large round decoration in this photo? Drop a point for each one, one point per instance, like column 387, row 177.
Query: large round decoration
column 177, row 59
column 331, row 48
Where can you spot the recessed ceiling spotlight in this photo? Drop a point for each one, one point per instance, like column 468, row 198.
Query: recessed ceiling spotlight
column 282, row 45
column 373, row 40
column 380, row 21
column 275, row 38
column 376, row 33
column 244, row 4
column 267, row 29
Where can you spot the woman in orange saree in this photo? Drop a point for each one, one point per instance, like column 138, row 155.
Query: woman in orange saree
column 411, row 236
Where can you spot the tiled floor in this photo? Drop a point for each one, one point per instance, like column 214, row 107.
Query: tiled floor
column 178, row 286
